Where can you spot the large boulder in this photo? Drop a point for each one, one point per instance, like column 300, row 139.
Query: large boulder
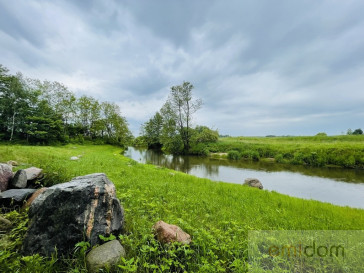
column 19, row 180
column 253, row 182
column 6, row 174
column 68, row 213
column 105, row 256
column 167, row 233
column 33, row 197
column 14, row 197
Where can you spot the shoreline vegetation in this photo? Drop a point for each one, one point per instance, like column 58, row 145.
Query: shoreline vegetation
column 346, row 151
column 217, row 215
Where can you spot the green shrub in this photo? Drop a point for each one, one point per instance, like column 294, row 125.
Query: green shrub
column 234, row 155
column 279, row 158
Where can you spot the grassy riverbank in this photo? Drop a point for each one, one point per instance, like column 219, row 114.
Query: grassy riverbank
column 345, row 151
column 217, row 215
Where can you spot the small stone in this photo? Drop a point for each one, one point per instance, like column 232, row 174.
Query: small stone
column 105, row 256
column 34, row 196
column 19, row 180
column 5, row 224
column 6, row 174
column 74, row 158
column 33, row 173
column 253, row 182
column 166, row 233
column 12, row 163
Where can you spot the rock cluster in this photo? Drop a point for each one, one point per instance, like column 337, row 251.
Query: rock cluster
column 16, row 188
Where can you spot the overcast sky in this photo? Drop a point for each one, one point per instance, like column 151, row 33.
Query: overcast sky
column 260, row 67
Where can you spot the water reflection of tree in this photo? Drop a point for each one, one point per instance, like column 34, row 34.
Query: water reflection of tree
column 180, row 163
column 209, row 167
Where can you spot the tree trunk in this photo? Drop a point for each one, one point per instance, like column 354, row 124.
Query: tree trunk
column 12, row 127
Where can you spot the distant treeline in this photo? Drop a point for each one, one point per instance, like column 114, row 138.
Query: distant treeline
column 46, row 112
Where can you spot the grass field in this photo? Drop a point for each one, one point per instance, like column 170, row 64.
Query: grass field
column 345, row 151
column 217, row 215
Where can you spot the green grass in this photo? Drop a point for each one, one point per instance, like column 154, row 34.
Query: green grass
column 217, row 215
column 345, row 151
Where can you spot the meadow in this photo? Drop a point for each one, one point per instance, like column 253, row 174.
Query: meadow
column 345, row 151
column 217, row 215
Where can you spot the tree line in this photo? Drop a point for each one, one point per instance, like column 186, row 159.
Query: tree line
column 44, row 112
column 171, row 127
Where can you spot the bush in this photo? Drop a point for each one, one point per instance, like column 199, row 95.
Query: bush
column 279, row 158
column 200, row 149
column 251, row 155
column 234, row 155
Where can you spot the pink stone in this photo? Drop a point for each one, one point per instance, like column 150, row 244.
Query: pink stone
column 166, row 233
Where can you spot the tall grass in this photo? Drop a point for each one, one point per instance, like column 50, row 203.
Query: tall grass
column 344, row 151
column 217, row 215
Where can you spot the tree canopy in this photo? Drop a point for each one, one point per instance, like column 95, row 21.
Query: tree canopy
column 47, row 112
column 171, row 127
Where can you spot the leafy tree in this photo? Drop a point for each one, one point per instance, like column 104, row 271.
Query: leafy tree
column 15, row 104
column 115, row 126
column 153, row 131
column 358, row 132
column 47, row 112
column 184, row 106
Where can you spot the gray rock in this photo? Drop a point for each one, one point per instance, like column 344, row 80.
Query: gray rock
column 6, row 174
column 74, row 158
column 253, row 182
column 105, row 256
column 5, row 224
column 33, row 173
column 19, row 180
column 68, row 213
column 15, row 197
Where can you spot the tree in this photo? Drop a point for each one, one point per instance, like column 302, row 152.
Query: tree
column 153, row 131
column 115, row 125
column 182, row 104
column 358, row 132
column 16, row 102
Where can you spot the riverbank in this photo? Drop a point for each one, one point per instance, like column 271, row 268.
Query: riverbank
column 345, row 151
column 217, row 215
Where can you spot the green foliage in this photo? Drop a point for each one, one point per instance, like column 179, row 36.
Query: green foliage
column 140, row 141
column 203, row 134
column 200, row 149
column 170, row 128
column 234, row 155
column 218, row 216
column 358, row 132
column 47, row 113
column 152, row 131
column 346, row 151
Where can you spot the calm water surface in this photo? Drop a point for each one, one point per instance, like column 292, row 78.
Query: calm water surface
column 344, row 187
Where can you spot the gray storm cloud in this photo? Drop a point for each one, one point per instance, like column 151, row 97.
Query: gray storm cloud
column 261, row 68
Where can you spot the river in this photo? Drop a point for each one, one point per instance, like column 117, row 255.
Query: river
column 343, row 187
